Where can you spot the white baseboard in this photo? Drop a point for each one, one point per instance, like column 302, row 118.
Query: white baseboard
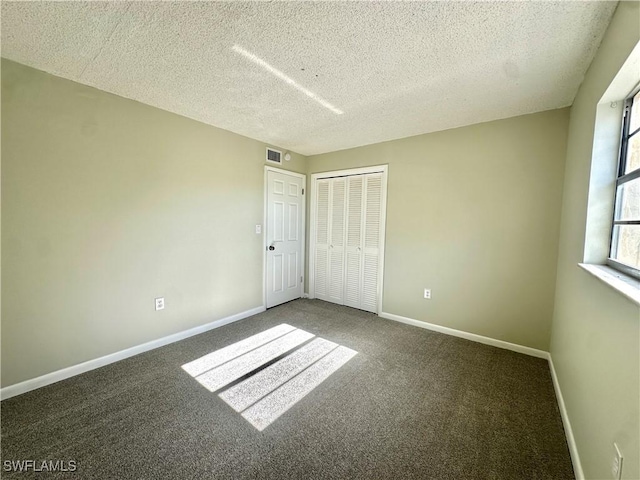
column 53, row 377
column 534, row 352
column 573, row 448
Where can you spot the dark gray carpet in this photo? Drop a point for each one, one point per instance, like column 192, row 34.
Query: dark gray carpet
column 411, row 404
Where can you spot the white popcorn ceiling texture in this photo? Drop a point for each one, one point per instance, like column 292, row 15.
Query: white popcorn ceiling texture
column 395, row 69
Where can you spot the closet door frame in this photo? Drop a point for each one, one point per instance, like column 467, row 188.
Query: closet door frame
column 383, row 221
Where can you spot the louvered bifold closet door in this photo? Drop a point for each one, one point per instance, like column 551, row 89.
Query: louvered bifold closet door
column 353, row 249
column 321, row 275
column 337, row 198
column 372, row 190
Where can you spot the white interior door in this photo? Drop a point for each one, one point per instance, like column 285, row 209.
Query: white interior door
column 284, row 237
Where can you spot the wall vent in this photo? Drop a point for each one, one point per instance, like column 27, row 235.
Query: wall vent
column 274, row 156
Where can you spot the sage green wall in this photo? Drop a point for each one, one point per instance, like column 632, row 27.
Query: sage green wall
column 596, row 331
column 472, row 213
column 108, row 203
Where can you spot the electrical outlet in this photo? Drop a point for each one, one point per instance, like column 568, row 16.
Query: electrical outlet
column 258, row 229
column 427, row 293
column 160, row 303
column 616, row 467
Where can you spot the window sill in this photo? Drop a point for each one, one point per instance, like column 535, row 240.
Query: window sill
column 626, row 285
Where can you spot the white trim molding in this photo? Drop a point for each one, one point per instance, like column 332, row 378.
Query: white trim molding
column 568, row 431
column 53, row 377
column 533, row 352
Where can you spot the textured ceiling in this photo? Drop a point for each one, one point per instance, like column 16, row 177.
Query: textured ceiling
column 315, row 77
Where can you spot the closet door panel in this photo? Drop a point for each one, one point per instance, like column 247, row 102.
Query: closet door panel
column 348, row 239
column 353, row 266
column 337, row 194
column 321, row 260
column 370, row 283
column 371, row 248
column 373, row 199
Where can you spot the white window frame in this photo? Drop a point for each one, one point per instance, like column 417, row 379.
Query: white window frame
column 605, row 156
column 621, row 179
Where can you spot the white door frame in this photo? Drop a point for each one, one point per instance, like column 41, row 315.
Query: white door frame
column 384, row 169
column 264, row 229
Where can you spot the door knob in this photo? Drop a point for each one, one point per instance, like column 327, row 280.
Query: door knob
column 271, row 247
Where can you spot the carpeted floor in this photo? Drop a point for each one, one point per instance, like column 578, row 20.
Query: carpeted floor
column 411, row 404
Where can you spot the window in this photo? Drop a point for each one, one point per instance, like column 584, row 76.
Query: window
column 625, row 234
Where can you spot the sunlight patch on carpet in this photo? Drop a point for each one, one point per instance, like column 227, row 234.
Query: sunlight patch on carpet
column 264, row 391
